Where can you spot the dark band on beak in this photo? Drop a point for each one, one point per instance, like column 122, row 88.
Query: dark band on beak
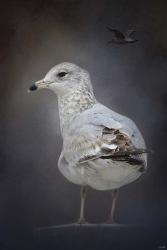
column 33, row 87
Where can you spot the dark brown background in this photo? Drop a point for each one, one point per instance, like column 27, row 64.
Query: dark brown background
column 131, row 79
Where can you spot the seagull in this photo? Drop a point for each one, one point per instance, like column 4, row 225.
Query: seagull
column 122, row 38
column 101, row 149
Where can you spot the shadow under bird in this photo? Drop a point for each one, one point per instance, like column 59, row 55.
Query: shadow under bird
column 119, row 37
column 101, row 148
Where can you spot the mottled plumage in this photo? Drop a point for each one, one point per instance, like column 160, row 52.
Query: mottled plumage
column 94, row 146
column 101, row 148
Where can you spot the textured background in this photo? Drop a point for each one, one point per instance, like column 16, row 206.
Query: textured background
column 131, row 79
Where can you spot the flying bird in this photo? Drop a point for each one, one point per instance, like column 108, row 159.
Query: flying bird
column 119, row 37
column 101, row 148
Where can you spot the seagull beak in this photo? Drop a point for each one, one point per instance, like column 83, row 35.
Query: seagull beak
column 38, row 85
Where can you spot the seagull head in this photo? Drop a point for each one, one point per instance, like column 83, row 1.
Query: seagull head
column 63, row 78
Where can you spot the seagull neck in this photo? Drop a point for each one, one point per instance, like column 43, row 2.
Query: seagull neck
column 74, row 103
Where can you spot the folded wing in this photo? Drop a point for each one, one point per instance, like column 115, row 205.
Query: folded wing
column 98, row 133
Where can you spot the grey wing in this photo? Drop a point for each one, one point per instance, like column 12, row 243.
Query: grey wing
column 117, row 34
column 102, row 133
column 129, row 33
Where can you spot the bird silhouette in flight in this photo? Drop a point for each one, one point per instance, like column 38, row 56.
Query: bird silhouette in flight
column 119, row 37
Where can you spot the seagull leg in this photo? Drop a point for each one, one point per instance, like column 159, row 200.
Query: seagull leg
column 83, row 197
column 114, row 199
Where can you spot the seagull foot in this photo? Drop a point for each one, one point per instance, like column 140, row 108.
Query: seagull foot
column 82, row 221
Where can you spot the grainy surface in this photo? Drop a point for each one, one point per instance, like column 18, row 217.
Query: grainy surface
column 89, row 237
column 37, row 34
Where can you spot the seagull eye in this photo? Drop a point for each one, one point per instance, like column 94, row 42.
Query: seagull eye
column 61, row 74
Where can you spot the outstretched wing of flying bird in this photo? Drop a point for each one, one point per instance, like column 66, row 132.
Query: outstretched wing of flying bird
column 129, row 33
column 116, row 33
